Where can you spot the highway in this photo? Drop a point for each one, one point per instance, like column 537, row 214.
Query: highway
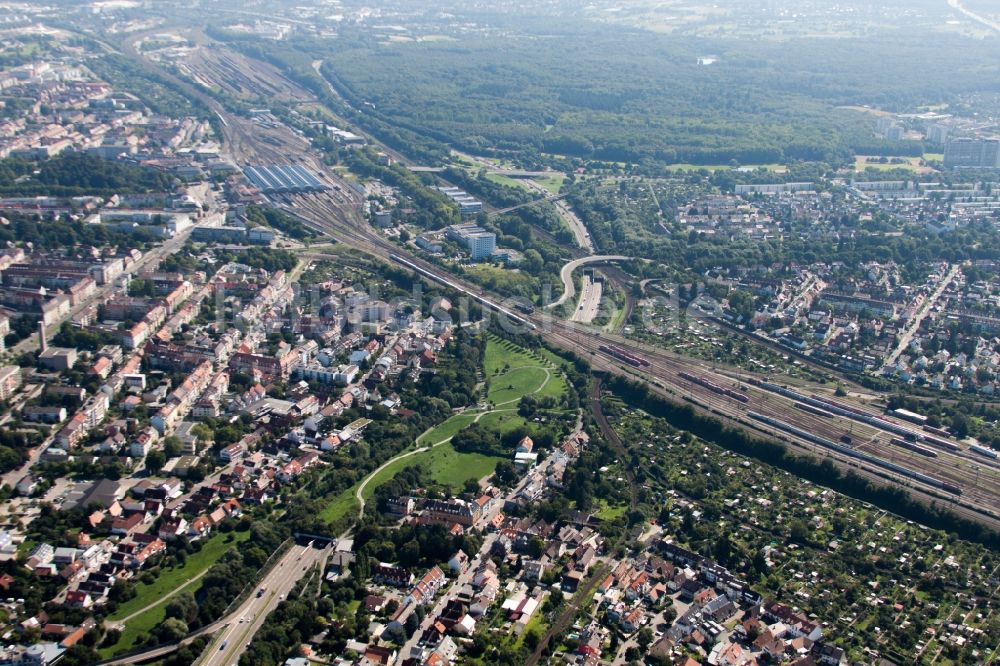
column 957, row 4
column 244, row 622
column 590, row 300
column 981, row 485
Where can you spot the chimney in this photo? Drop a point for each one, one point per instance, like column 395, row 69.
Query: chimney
column 41, row 336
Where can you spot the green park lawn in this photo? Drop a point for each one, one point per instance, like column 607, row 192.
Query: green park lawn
column 341, row 506
column 512, row 372
column 446, row 466
column 517, row 382
column 171, row 579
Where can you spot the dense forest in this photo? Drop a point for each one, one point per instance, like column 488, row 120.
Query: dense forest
column 577, row 89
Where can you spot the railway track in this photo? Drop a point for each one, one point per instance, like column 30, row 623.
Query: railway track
column 615, row 441
column 565, row 619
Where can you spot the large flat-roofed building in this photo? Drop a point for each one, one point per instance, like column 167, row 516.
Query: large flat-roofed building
column 283, row 178
column 57, row 358
column 968, row 153
column 467, row 205
column 481, row 243
column 219, row 234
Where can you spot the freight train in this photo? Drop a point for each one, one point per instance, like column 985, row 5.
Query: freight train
column 715, row 388
column 940, row 432
column 848, row 451
column 941, row 443
column 624, row 355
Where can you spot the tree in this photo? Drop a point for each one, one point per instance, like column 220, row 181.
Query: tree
column 645, row 639
column 411, row 625
column 183, row 606
column 960, row 425
column 533, row 262
column 742, row 304
column 798, row 531
column 505, row 474
column 172, row 629
column 172, row 446
column 155, row 460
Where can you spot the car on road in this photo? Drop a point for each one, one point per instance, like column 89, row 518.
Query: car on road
column 223, row 646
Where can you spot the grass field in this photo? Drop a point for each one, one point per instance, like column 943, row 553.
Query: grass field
column 341, row 506
column 168, row 581
column 502, row 421
column 135, row 629
column 446, row 466
column 517, row 382
column 505, row 180
column 535, row 624
column 447, row 429
column 909, row 164
column 552, row 183
column 606, row 512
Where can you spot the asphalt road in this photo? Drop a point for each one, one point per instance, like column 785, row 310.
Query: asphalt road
column 590, row 300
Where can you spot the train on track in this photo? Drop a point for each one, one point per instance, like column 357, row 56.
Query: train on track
column 940, row 432
column 624, row 355
column 813, row 410
column 984, row 451
column 854, row 453
column 912, row 446
column 510, row 314
column 715, row 388
column 941, row 443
